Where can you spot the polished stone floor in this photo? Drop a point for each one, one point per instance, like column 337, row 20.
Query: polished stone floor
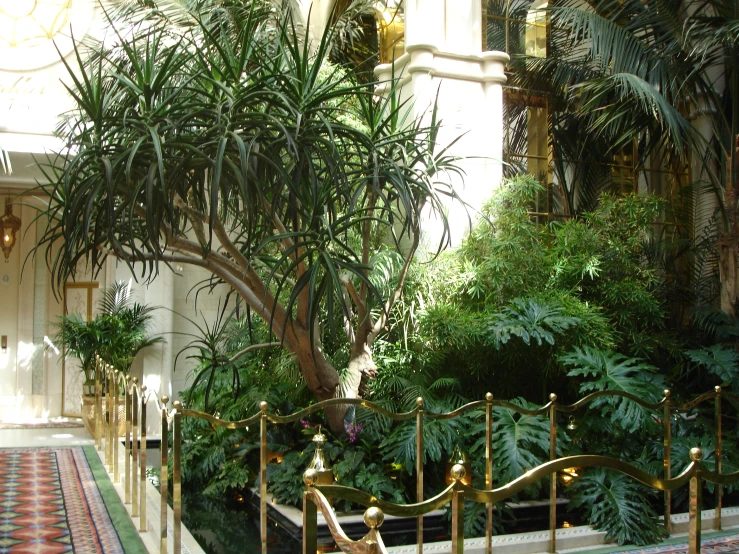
column 66, row 436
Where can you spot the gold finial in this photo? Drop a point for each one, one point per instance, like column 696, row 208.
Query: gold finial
column 116, row 372
column 373, row 517
column 696, row 454
column 177, row 405
column 458, row 472
column 310, row 477
column 667, row 393
column 263, row 406
column 489, row 397
column 128, row 378
column 143, row 388
column 135, row 380
column 419, row 402
column 553, row 397
column 165, row 399
column 717, row 388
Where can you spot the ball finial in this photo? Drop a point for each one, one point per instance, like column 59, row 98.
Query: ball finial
column 263, row 406
column 135, row 380
column 667, row 393
column 489, row 396
column 177, row 405
column 143, row 388
column 696, row 454
column 458, row 472
column 310, row 477
column 717, row 388
column 128, row 378
column 419, row 402
column 165, row 399
column 373, row 517
column 553, row 397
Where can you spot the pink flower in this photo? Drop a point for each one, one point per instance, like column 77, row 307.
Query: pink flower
column 353, row 429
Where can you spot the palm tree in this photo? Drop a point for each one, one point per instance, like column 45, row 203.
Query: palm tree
column 631, row 74
column 117, row 334
column 211, row 134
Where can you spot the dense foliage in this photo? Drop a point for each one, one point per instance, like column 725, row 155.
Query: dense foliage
column 517, row 308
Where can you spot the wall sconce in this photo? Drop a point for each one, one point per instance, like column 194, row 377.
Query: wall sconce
column 10, row 226
column 4, row 344
column 319, row 463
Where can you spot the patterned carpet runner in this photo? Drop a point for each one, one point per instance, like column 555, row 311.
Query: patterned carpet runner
column 49, row 503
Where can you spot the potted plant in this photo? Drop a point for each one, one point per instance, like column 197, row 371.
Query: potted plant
column 117, row 334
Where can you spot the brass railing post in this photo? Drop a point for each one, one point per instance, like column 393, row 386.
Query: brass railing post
column 719, row 460
column 419, row 471
column 489, row 470
column 694, row 505
column 114, row 427
column 553, row 476
column 458, row 473
column 263, row 475
column 127, row 464
column 98, row 415
column 109, row 417
column 177, row 475
column 310, row 514
column 134, row 484
column 667, row 447
column 163, row 478
column 142, row 463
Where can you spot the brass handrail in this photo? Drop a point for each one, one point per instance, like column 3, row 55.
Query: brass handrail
column 457, row 492
column 136, row 397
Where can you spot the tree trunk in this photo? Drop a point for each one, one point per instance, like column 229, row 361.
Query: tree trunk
column 728, row 274
column 360, row 369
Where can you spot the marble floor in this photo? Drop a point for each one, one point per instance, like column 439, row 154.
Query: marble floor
column 66, row 436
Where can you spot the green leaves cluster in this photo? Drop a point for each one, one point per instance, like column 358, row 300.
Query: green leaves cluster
column 117, row 333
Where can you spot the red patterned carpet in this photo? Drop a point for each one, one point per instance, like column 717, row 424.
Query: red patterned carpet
column 49, row 503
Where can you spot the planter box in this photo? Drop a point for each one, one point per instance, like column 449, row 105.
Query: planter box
column 88, row 414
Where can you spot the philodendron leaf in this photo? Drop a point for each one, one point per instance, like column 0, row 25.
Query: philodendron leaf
column 617, row 504
column 611, row 371
column 721, row 361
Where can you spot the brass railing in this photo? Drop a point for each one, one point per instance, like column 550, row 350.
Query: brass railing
column 318, row 497
column 136, row 398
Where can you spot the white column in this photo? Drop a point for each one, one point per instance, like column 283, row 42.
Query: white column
column 494, row 79
column 448, row 70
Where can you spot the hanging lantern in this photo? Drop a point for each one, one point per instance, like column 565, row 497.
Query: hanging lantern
column 319, row 462
column 459, row 457
column 571, row 424
column 10, row 226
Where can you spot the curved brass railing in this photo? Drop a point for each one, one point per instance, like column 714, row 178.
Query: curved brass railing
column 112, row 388
column 317, row 497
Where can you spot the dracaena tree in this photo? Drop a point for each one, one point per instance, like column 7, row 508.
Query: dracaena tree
column 213, row 134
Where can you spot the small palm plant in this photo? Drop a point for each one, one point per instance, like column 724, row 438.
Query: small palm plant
column 117, row 334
